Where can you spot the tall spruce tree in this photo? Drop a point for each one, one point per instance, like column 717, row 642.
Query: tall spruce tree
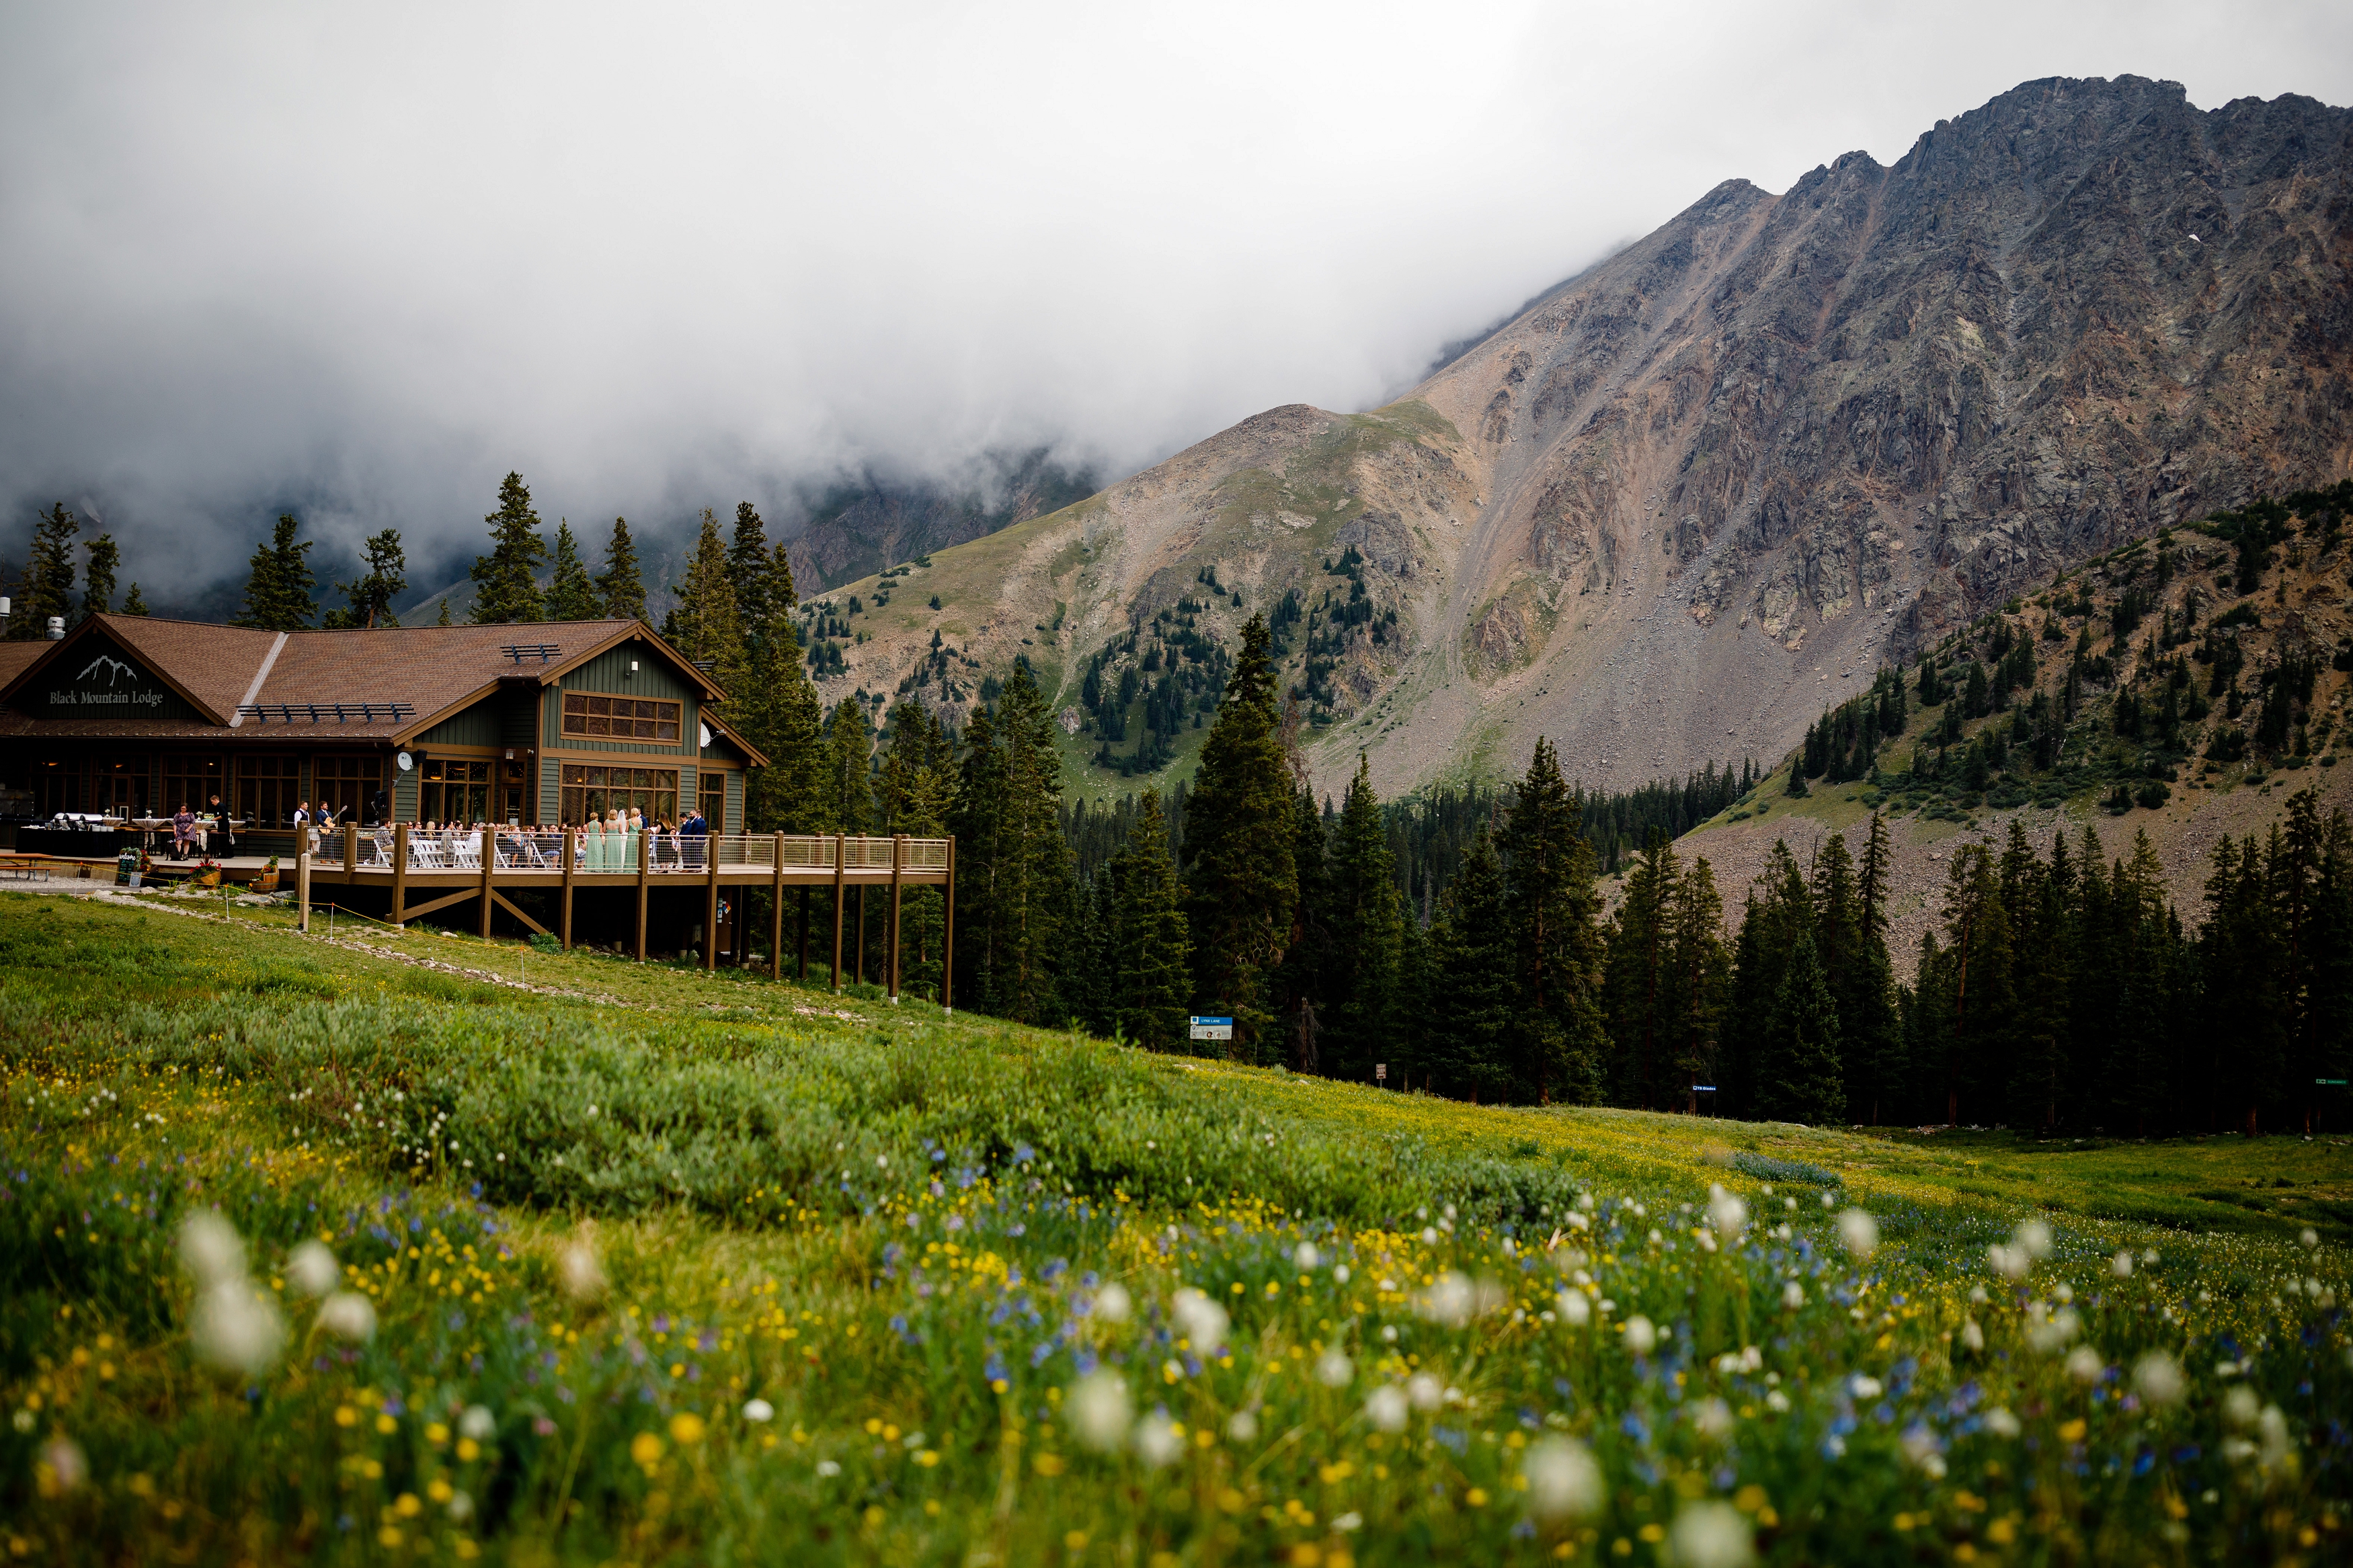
column 371, row 593
column 1636, row 985
column 1362, row 1016
column 280, row 582
column 1469, row 1043
column 571, row 593
column 506, row 585
column 49, row 573
column 709, row 629
column 623, row 589
column 1150, row 960
column 1241, row 883
column 749, row 563
column 1800, row 1078
column 1563, row 1039
column 1698, row 976
column 98, row 578
column 134, row 602
column 1016, row 882
column 1301, row 983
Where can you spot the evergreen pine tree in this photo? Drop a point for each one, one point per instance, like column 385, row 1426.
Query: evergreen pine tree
column 98, row 594
column 1698, row 976
column 1301, row 983
column 1564, row 1040
column 1362, row 1015
column 443, row 619
column 709, row 630
column 1469, row 1041
column 748, row 565
column 848, row 759
column 571, row 593
column 1636, row 981
column 278, row 586
column 506, row 587
column 1241, row 884
column 1016, row 870
column 1800, row 1078
column 134, row 602
column 372, row 593
column 624, row 591
column 1778, row 909
column 1150, row 958
column 49, row 573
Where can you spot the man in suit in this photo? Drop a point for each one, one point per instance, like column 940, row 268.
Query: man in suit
column 695, row 836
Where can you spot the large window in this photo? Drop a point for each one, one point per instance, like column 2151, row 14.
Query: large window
column 714, row 799
column 591, row 789
column 193, row 782
column 267, row 790
column 454, row 789
column 350, row 784
column 620, row 717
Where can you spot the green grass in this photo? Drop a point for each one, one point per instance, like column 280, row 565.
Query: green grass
column 594, row 1220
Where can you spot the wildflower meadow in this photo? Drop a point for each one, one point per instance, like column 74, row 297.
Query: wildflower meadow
column 404, row 1248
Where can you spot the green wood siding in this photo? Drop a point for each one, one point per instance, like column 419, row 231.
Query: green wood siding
column 476, row 726
column 404, row 794
column 608, row 675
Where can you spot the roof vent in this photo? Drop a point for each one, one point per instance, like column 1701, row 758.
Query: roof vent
column 327, row 713
column 544, row 652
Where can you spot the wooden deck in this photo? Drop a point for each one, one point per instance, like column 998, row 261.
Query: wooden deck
column 423, row 875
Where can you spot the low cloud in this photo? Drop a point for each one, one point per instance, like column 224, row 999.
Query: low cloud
column 359, row 263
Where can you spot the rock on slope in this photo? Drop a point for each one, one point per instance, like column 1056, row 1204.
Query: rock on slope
column 1674, row 505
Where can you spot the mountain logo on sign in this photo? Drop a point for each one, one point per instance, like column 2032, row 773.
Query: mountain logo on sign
column 117, row 672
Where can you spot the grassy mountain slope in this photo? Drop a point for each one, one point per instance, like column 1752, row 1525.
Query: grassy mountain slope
column 1781, row 438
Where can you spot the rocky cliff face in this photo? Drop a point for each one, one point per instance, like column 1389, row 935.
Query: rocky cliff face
column 1687, row 496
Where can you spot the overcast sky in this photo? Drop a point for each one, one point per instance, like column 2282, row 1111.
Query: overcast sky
column 361, row 261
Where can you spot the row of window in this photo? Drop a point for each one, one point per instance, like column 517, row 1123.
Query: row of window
column 622, row 718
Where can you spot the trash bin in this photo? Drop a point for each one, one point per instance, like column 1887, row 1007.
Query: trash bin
column 126, row 868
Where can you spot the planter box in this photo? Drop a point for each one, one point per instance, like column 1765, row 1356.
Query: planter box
column 266, row 883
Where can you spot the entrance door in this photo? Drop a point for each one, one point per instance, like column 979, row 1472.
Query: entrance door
column 120, row 790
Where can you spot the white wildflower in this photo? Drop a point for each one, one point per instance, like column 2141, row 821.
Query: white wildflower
column 2033, row 1236
column 1113, row 1303
column 235, row 1327
column 2121, row 1265
column 2084, row 1366
column 1642, row 1338
column 1563, row 1480
column 582, row 1276
column 1386, row 1409
column 759, row 1412
column 1305, row 1256
column 1099, row 1411
column 1334, row 1370
column 1711, row 1535
column 1574, row 1309
column 1714, row 1418
column 1728, row 1214
column 1157, row 1440
column 1863, row 1387
column 1972, row 1336
column 2156, row 1376
column 348, row 1315
column 1859, row 1232
column 1242, row 1426
column 478, row 1423
column 1199, row 1318
column 1425, row 1391
column 2001, row 1423
column 313, row 1270
column 1793, row 1296
column 210, row 1249
column 63, row 1466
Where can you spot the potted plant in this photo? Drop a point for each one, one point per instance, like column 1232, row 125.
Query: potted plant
column 207, row 873
column 268, row 882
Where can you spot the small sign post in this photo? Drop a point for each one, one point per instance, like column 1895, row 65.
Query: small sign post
column 1380, row 1072
column 1212, row 1029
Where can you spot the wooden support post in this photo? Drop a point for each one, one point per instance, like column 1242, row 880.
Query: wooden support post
column 861, row 913
column 841, row 842
column 399, row 875
column 947, row 946
column 571, row 839
column 898, row 866
column 350, row 851
column 645, row 869
column 302, row 888
column 776, row 911
column 490, row 860
column 711, row 901
column 805, row 893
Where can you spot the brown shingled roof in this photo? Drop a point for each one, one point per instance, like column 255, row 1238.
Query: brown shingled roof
column 432, row 669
